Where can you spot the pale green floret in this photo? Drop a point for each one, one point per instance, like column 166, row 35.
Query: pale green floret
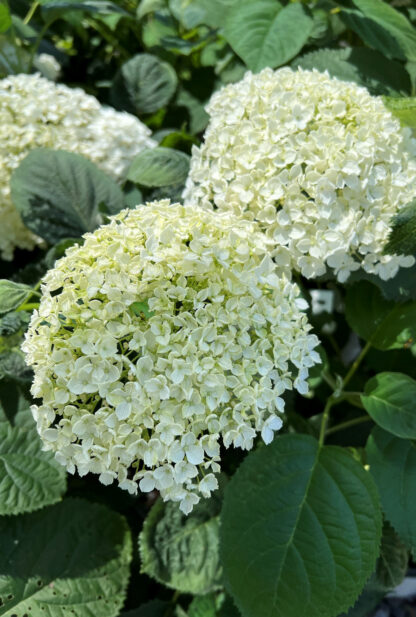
column 36, row 113
column 168, row 331
column 321, row 164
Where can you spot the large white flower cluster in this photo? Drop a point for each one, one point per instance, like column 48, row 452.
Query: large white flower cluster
column 321, row 164
column 169, row 331
column 35, row 112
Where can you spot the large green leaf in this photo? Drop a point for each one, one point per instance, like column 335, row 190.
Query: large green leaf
column 402, row 239
column 29, row 478
column 182, row 551
column 298, row 516
column 156, row 167
column 390, row 398
column 12, row 295
column 70, row 559
column 366, row 67
column 263, row 33
column 393, row 465
column 381, row 26
column 144, row 84
column 383, row 323
column 59, row 194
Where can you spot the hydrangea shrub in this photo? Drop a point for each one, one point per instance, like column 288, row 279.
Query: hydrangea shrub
column 220, row 462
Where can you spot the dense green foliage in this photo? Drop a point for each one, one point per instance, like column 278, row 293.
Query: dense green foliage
column 319, row 523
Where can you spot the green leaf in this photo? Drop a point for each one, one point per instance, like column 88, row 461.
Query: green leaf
column 393, row 560
column 5, row 18
column 181, row 551
column 53, row 9
column 155, row 29
column 141, row 308
column 404, row 109
column 13, row 59
column 144, row 84
column 298, row 516
column 132, row 197
column 361, row 65
column 58, row 250
column 14, row 408
column 228, row 609
column 68, row 206
column 156, row 167
column 12, row 295
column 198, row 117
column 383, row 323
column 29, row 478
column 13, row 366
column 149, row 6
column 70, row 559
column 13, row 322
column 402, row 238
column 389, row 398
column 203, row 606
column 401, row 288
column 263, row 33
column 393, row 466
column 391, row 568
column 381, row 26
column 192, row 13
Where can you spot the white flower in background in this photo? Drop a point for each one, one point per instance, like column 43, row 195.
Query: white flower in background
column 323, row 301
column 321, row 164
column 48, row 66
column 34, row 112
column 169, row 331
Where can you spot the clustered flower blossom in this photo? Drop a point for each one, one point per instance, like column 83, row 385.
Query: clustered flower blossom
column 168, row 332
column 320, row 163
column 48, row 66
column 35, row 112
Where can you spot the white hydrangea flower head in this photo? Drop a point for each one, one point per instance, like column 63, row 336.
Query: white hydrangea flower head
column 34, row 113
column 169, row 331
column 320, row 163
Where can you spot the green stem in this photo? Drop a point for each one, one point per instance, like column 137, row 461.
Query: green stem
column 356, row 364
column 38, row 41
column 31, row 12
column 329, row 380
column 325, row 417
column 347, row 424
column 28, row 307
column 341, row 395
column 334, row 344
